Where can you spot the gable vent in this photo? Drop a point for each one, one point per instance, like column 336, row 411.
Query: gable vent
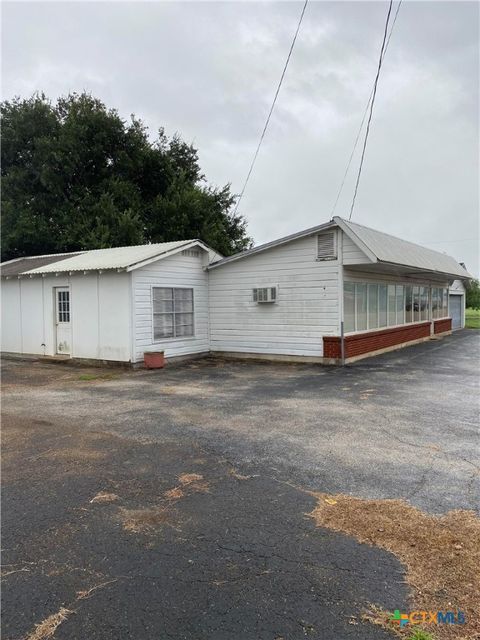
column 327, row 246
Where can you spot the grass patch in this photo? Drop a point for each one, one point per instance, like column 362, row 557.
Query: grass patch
column 441, row 554
column 419, row 634
column 472, row 318
column 86, row 377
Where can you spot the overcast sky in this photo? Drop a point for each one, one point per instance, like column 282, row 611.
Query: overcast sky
column 209, row 71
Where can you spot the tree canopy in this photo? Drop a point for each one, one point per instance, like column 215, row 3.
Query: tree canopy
column 472, row 288
column 75, row 175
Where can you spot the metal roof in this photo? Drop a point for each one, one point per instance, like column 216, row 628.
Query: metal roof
column 128, row 258
column 20, row 265
column 392, row 250
column 377, row 246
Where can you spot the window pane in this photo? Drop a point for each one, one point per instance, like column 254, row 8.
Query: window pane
column 183, row 306
column 400, row 304
column 391, row 305
column 184, row 324
column 349, row 307
column 160, row 293
column 372, row 306
column 416, row 304
column 445, row 303
column 423, row 303
column 183, row 294
column 162, row 306
column 408, row 304
column 382, row 305
column 361, row 300
column 162, row 326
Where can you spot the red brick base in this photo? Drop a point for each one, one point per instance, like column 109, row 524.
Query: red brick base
column 361, row 343
column 440, row 326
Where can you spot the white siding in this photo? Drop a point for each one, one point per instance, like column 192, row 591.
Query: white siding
column 351, row 253
column 100, row 315
column 175, row 271
column 11, row 316
column 306, row 307
column 457, row 287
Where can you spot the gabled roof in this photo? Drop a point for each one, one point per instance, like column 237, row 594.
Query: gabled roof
column 119, row 258
column 392, row 250
column 378, row 247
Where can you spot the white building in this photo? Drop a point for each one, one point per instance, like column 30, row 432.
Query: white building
column 338, row 289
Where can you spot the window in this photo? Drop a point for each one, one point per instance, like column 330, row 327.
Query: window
column 416, row 304
column 392, row 304
column 424, row 303
column 327, row 246
column 408, row 303
column 372, row 306
column 361, row 306
column 382, row 305
column 445, row 303
column 349, row 307
column 191, row 253
column 63, row 306
column 172, row 313
column 399, row 292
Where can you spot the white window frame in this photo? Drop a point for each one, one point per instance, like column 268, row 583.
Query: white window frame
column 430, row 317
column 170, row 338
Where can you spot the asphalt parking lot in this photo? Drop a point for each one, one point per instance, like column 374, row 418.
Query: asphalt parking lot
column 174, row 503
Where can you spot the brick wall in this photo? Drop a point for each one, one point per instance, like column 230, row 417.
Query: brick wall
column 361, row 343
column 440, row 326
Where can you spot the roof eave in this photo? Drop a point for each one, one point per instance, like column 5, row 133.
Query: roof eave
column 421, row 270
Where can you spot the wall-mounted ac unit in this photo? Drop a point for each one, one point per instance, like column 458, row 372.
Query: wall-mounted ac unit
column 265, row 294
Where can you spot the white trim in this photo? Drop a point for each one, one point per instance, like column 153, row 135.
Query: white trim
column 166, row 254
column 184, row 286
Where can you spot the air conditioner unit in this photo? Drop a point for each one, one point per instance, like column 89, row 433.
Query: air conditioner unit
column 265, row 294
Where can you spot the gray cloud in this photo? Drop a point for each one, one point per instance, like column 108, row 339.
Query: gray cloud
column 209, row 71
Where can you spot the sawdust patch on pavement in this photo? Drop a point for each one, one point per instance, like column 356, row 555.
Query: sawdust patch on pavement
column 145, row 520
column 47, row 627
column 441, row 554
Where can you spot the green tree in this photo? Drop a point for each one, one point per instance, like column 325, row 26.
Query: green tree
column 77, row 176
column 472, row 298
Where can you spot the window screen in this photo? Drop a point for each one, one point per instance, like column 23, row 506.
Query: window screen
column 172, row 313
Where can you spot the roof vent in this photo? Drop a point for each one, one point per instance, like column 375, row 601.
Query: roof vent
column 327, row 246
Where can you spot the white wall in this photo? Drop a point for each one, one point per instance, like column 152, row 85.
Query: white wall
column 100, row 315
column 306, row 308
column 351, row 253
column 11, row 329
column 175, row 271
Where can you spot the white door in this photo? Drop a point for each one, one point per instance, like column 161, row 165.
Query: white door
column 456, row 305
column 62, row 320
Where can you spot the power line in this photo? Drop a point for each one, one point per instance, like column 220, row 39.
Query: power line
column 372, row 103
column 271, row 108
column 363, row 120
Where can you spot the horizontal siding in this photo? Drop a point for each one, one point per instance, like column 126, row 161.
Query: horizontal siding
column 175, row 271
column 351, row 253
column 306, row 307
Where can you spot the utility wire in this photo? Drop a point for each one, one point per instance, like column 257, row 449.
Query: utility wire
column 363, row 120
column 372, row 102
column 271, row 108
